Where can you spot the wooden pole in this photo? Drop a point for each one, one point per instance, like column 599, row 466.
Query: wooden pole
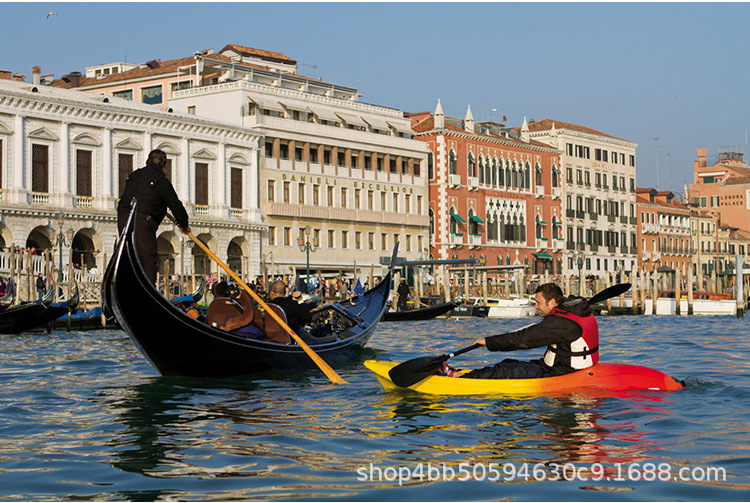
column 690, row 288
column 654, row 289
column 484, row 286
column 466, row 284
column 607, row 283
column 677, row 292
column 447, row 285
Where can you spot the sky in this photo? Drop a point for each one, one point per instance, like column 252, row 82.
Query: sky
column 672, row 77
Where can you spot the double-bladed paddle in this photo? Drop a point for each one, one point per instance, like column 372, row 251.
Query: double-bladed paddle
column 412, row 371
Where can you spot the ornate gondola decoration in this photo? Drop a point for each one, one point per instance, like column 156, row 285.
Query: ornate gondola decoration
column 177, row 344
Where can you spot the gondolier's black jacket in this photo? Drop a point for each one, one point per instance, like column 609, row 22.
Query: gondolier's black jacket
column 551, row 330
column 154, row 193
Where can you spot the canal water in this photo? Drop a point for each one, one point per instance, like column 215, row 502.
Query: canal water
column 83, row 416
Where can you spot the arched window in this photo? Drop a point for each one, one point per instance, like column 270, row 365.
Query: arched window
column 555, row 176
column 538, row 175
column 452, row 163
column 481, row 169
column 471, row 166
column 430, row 165
column 527, row 177
column 473, row 224
column 493, row 169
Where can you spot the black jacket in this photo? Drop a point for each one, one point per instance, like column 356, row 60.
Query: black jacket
column 154, row 194
column 551, row 330
column 297, row 315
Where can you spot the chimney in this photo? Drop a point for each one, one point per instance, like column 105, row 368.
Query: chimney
column 37, row 73
column 5, row 75
column 469, row 121
column 702, row 152
column 19, row 77
column 73, row 78
column 439, row 116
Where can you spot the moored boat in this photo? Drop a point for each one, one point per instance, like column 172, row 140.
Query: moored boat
column 177, row 344
column 470, row 310
column 31, row 315
column 614, row 377
column 423, row 313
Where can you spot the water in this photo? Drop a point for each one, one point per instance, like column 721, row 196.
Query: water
column 83, row 416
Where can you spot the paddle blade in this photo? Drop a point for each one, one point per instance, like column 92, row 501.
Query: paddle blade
column 412, row 371
column 608, row 293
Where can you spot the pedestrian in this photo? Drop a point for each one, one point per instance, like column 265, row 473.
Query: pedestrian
column 154, row 193
column 41, row 287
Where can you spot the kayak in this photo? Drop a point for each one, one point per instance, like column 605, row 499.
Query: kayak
column 608, row 376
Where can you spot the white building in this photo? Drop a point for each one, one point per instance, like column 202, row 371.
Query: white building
column 599, row 200
column 65, row 152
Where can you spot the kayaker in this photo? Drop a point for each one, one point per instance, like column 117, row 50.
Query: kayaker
column 568, row 329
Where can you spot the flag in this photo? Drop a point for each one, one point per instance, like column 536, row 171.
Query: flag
column 359, row 290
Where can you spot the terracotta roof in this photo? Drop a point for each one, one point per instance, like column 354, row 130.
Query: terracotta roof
column 737, row 180
column 428, row 124
column 546, row 124
column 646, row 200
column 168, row 66
column 258, row 53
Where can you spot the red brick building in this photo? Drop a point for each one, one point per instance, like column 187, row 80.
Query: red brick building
column 663, row 231
column 493, row 194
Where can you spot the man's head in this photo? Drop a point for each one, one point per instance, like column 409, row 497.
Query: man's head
column 157, row 158
column 548, row 296
column 278, row 289
column 297, row 295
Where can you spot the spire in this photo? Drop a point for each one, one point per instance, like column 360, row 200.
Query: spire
column 469, row 121
column 525, row 131
column 439, row 117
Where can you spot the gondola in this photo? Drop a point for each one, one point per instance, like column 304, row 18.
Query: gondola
column 30, row 315
column 177, row 344
column 93, row 319
column 424, row 313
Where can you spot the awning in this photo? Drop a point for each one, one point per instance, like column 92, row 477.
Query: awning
column 457, row 217
column 476, row 219
column 401, row 128
column 352, row 119
column 545, row 256
column 294, row 106
column 555, row 222
column 326, row 115
column 267, row 104
column 457, row 233
column 540, row 221
column 554, row 168
column 376, row 123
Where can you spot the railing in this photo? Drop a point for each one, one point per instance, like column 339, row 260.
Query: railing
column 556, row 192
column 475, row 239
column 236, row 213
column 84, row 202
column 39, row 198
column 646, row 255
column 570, row 213
column 570, row 245
column 656, row 255
column 454, row 180
column 580, row 214
column 633, row 220
column 541, row 243
column 612, row 249
column 473, row 182
column 611, row 218
column 200, row 210
column 539, row 190
column 623, row 220
column 650, row 228
column 457, row 239
column 557, row 244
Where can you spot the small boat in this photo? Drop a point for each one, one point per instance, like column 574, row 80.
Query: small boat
column 94, row 319
column 30, row 315
column 423, row 313
column 470, row 310
column 508, row 308
column 177, row 344
column 613, row 377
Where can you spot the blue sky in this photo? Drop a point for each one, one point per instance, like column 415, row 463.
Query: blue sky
column 678, row 72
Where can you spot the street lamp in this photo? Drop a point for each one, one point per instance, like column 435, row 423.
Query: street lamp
column 61, row 240
column 303, row 241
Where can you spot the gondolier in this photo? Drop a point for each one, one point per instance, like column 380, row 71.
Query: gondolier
column 569, row 330
column 154, row 193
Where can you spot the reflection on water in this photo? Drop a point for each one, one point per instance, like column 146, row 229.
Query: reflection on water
column 83, row 416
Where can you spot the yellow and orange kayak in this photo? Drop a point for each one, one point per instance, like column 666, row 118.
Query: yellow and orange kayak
column 607, row 376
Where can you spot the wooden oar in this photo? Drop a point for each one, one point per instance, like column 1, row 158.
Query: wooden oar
column 412, row 371
column 327, row 370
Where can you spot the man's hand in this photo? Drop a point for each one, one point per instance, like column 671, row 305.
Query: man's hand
column 481, row 342
column 186, row 230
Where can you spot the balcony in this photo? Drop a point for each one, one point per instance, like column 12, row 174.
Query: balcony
column 593, row 216
column 557, row 244
column 633, row 250
column 539, row 191
column 650, row 228
column 612, row 248
column 541, row 243
column 611, row 218
column 633, row 220
column 646, row 255
column 84, row 202
column 623, row 220
column 570, row 213
column 570, row 245
column 236, row 213
column 39, row 198
column 656, row 255
column 454, row 180
column 200, row 210
column 456, row 239
column 556, row 192
column 594, row 247
column 472, row 181
column 580, row 214
column 475, row 240
column 623, row 250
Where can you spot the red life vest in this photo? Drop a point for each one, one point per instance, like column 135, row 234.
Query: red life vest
column 584, row 351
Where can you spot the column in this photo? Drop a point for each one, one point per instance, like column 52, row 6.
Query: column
column 18, row 179
column 64, row 185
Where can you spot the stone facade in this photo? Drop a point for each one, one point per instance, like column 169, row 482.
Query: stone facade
column 65, row 152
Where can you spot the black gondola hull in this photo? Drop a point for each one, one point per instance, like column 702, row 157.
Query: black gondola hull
column 177, row 344
column 425, row 313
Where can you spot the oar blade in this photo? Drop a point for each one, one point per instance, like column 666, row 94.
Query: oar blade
column 608, row 293
column 412, row 371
